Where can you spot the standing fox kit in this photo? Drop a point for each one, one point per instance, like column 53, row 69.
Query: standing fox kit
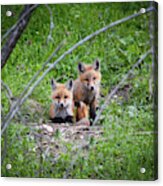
column 62, row 107
column 87, row 86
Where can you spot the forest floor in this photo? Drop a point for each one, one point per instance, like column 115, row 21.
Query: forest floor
column 51, row 138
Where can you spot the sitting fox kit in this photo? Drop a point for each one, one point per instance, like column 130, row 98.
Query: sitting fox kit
column 87, row 86
column 62, row 107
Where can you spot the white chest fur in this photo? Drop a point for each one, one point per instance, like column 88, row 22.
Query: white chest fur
column 63, row 113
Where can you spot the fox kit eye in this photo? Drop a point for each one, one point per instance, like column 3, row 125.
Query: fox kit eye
column 86, row 79
column 57, row 97
column 65, row 97
column 94, row 78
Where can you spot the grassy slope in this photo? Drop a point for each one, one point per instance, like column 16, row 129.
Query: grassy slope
column 123, row 154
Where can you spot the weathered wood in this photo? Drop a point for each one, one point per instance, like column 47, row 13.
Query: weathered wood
column 16, row 33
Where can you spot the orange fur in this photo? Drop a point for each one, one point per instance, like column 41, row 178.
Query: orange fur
column 62, row 97
column 82, row 111
column 87, row 86
column 61, row 94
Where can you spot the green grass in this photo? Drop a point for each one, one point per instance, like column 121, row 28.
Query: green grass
column 123, row 152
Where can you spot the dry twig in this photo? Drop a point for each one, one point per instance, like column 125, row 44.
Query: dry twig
column 33, row 79
column 50, row 38
column 110, row 95
column 9, row 94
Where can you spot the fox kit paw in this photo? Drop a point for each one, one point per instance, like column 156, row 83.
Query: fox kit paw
column 57, row 120
column 69, row 119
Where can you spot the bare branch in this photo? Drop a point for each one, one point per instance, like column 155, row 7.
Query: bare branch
column 10, row 97
column 50, row 38
column 4, row 151
column 33, row 79
column 9, row 94
column 153, row 83
column 42, row 68
column 109, row 96
column 18, row 22
column 152, row 34
column 87, row 38
column 15, row 34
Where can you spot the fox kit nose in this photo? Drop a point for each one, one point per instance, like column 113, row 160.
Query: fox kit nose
column 61, row 105
column 92, row 88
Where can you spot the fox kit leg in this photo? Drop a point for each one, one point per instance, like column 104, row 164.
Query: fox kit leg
column 51, row 112
column 57, row 120
column 69, row 119
column 93, row 107
column 82, row 110
column 52, row 116
column 82, row 114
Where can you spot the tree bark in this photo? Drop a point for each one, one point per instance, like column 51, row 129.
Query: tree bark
column 16, row 33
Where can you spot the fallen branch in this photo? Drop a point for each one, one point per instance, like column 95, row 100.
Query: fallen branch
column 87, row 38
column 110, row 95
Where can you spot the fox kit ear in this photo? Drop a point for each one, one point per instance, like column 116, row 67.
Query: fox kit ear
column 53, row 84
column 69, row 85
column 96, row 65
column 81, row 67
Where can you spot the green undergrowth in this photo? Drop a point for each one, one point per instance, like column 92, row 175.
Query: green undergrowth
column 128, row 140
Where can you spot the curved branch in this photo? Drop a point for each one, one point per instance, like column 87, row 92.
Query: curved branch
column 34, row 78
column 109, row 96
column 9, row 94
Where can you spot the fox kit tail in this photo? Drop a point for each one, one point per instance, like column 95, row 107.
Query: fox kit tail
column 82, row 113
